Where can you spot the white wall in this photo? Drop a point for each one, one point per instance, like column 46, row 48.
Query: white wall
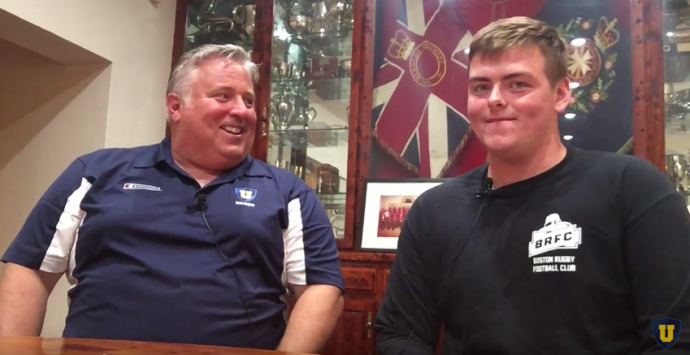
column 75, row 75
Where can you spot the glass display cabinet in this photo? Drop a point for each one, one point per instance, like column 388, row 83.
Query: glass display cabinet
column 311, row 56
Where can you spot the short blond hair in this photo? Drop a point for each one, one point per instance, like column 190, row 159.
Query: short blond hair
column 504, row 34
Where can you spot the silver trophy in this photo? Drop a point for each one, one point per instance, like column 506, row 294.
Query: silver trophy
column 245, row 16
column 283, row 108
column 298, row 23
column 677, row 170
column 305, row 116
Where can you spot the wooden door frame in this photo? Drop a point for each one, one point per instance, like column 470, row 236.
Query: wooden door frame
column 648, row 80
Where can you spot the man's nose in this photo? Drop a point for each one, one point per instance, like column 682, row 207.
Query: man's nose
column 496, row 99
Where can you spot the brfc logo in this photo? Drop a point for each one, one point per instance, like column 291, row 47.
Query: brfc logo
column 245, row 195
column 666, row 331
column 555, row 234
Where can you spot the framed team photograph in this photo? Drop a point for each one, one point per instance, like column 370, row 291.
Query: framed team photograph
column 386, row 204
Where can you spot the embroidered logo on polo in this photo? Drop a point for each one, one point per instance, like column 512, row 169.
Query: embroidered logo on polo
column 134, row 186
column 555, row 235
column 245, row 196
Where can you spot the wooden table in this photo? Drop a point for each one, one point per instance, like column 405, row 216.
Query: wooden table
column 72, row 346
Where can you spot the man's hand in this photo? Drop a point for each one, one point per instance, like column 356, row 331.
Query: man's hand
column 313, row 318
column 23, row 297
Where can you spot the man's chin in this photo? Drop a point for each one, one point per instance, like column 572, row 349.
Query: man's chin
column 232, row 153
column 499, row 144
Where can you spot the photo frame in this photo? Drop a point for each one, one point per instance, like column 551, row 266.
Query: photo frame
column 386, row 203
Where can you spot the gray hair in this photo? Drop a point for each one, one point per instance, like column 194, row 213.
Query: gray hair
column 193, row 58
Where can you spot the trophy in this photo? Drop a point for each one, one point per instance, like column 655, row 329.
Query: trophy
column 283, row 108
column 298, row 23
column 676, row 170
column 339, row 16
column 328, row 179
column 345, row 67
column 285, row 70
column 245, row 15
column 305, row 116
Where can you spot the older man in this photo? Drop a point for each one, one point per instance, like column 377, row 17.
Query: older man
column 190, row 240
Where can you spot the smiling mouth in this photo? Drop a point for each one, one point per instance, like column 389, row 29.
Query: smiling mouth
column 499, row 119
column 232, row 130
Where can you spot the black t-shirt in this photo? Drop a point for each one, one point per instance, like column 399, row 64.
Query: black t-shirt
column 577, row 260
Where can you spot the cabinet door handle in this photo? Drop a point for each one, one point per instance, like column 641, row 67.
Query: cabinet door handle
column 369, row 325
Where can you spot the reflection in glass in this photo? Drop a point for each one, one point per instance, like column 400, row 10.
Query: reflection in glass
column 220, row 22
column 676, row 29
column 310, row 95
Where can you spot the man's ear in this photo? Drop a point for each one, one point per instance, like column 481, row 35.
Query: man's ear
column 563, row 95
column 173, row 104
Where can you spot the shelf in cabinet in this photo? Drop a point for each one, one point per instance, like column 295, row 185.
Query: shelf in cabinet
column 333, row 137
column 329, row 78
column 315, row 50
column 324, row 45
column 332, row 201
column 340, row 196
column 345, row 34
column 295, row 129
column 325, row 90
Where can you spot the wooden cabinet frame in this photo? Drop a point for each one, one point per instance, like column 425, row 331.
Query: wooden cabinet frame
column 648, row 80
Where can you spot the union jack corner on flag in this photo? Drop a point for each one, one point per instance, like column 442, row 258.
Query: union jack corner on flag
column 421, row 69
column 418, row 116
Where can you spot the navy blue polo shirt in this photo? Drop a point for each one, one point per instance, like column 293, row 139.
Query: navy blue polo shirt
column 143, row 266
